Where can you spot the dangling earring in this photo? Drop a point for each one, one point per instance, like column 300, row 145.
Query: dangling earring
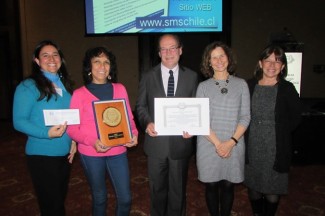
column 89, row 73
column 109, row 77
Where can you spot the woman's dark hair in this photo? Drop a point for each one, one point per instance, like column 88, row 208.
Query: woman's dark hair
column 279, row 56
column 96, row 52
column 206, row 68
column 43, row 84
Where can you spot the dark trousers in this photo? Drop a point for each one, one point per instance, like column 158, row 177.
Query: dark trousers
column 50, row 177
column 167, row 179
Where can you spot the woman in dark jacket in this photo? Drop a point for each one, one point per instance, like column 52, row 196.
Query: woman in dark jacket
column 275, row 113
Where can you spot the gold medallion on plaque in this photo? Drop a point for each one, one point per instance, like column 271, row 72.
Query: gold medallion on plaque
column 112, row 116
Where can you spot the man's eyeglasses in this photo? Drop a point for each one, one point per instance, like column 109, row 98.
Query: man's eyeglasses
column 171, row 50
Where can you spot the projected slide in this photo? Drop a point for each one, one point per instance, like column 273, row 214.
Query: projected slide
column 134, row 16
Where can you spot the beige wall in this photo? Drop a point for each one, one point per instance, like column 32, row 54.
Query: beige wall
column 252, row 23
column 63, row 22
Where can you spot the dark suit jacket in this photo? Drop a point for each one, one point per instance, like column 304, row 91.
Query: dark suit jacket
column 150, row 87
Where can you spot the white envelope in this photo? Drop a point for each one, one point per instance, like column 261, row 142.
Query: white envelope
column 60, row 116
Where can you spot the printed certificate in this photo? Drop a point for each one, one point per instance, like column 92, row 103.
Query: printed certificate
column 175, row 115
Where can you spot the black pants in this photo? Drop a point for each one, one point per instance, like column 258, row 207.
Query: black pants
column 167, row 180
column 50, row 177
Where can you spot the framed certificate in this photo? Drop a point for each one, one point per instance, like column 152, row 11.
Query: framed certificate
column 175, row 115
column 112, row 121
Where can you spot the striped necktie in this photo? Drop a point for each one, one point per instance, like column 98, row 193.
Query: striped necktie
column 170, row 88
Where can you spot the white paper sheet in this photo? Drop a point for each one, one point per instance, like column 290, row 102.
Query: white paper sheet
column 175, row 115
column 59, row 116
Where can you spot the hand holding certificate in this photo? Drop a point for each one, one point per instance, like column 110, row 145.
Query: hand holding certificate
column 173, row 116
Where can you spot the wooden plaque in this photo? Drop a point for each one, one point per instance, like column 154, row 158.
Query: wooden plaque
column 112, row 121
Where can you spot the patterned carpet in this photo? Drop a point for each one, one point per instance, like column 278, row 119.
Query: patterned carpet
column 306, row 197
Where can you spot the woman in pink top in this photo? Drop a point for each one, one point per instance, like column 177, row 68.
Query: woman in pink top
column 99, row 74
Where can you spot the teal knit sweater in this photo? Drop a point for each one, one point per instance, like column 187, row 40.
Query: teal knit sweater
column 28, row 118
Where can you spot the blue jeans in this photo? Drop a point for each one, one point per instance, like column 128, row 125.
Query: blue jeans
column 118, row 170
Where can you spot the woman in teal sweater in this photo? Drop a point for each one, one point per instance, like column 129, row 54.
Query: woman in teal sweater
column 49, row 150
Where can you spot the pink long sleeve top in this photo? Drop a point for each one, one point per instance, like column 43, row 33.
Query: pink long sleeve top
column 85, row 134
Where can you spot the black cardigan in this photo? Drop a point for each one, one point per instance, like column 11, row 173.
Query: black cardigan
column 287, row 117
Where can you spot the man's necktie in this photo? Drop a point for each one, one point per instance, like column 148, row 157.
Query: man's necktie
column 170, row 88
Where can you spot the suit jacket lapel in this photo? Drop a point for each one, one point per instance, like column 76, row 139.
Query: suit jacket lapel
column 158, row 81
column 180, row 82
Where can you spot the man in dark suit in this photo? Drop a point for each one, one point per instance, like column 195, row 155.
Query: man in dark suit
column 168, row 156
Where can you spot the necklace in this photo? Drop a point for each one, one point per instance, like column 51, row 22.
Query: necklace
column 223, row 90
